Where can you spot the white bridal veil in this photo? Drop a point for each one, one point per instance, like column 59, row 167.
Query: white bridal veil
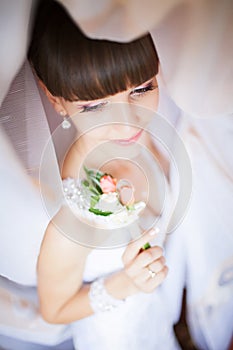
column 195, row 48
column 193, row 40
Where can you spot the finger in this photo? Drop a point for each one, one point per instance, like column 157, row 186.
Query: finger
column 141, row 278
column 148, row 256
column 152, row 283
column 134, row 247
column 157, row 265
column 144, row 259
column 145, row 283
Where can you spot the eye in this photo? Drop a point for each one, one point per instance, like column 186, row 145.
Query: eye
column 92, row 107
column 143, row 90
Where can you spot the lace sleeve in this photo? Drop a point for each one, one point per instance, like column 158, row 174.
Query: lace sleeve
column 74, row 192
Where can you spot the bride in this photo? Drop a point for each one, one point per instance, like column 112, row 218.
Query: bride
column 110, row 295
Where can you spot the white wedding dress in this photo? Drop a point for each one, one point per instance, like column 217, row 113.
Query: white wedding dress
column 143, row 320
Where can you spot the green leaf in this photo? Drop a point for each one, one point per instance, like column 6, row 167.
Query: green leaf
column 85, row 183
column 97, row 185
column 99, row 174
column 100, row 212
column 94, row 200
column 93, row 179
column 130, row 207
column 88, row 171
column 94, row 190
column 146, row 246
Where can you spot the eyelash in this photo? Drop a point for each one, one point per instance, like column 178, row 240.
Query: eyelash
column 141, row 91
column 93, row 108
column 137, row 92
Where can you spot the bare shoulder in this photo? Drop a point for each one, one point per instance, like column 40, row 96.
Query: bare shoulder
column 57, row 249
column 60, row 269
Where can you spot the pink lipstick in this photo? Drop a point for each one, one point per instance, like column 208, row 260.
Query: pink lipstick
column 126, row 142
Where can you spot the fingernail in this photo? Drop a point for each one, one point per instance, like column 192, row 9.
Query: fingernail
column 153, row 231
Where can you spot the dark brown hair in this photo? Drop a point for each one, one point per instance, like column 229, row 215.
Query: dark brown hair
column 73, row 66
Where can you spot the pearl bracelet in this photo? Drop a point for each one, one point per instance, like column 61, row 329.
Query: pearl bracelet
column 100, row 299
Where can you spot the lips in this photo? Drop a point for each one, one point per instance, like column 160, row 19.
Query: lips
column 126, row 142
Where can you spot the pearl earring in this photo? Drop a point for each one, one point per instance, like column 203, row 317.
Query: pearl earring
column 65, row 124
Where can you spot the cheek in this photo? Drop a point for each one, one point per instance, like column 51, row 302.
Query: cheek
column 147, row 106
column 71, row 110
column 152, row 100
column 99, row 133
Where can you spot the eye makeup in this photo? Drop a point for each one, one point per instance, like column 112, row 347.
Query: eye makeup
column 137, row 92
column 92, row 107
column 140, row 90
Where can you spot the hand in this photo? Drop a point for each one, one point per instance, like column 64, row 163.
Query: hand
column 138, row 263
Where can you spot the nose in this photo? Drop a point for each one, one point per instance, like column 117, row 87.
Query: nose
column 124, row 113
column 124, row 119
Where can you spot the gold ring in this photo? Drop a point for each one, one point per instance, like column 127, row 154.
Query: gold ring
column 152, row 274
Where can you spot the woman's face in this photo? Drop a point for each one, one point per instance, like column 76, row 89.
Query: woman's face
column 120, row 117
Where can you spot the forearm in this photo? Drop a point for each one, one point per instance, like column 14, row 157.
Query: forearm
column 63, row 296
column 78, row 306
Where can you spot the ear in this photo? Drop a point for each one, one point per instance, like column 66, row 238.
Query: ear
column 55, row 101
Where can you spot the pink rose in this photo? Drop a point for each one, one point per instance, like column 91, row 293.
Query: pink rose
column 107, row 184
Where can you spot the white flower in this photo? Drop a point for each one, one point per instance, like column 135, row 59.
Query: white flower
column 109, row 202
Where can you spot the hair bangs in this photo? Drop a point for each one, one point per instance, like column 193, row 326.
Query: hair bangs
column 75, row 67
column 103, row 68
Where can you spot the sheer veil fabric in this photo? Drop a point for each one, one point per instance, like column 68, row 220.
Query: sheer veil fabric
column 24, row 132
column 15, row 25
column 193, row 40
